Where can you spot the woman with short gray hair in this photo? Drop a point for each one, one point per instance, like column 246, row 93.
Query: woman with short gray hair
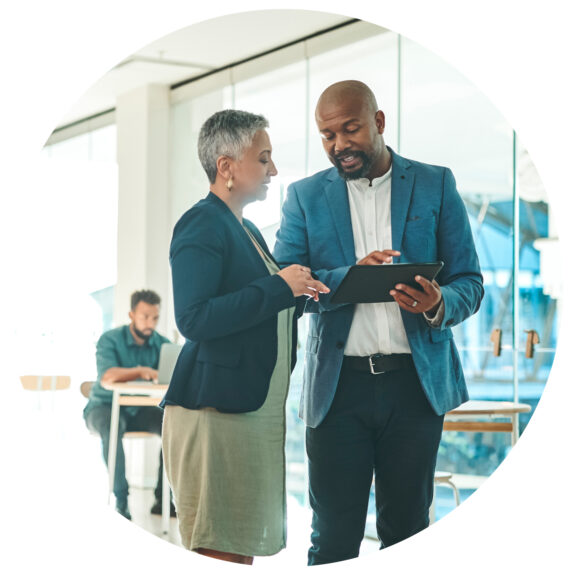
column 228, row 133
column 224, row 421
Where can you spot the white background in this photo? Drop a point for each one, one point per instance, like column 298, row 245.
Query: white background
column 516, row 52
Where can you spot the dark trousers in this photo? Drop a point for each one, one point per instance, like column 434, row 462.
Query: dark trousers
column 146, row 419
column 377, row 423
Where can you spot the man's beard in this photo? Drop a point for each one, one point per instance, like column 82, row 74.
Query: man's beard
column 141, row 335
column 361, row 172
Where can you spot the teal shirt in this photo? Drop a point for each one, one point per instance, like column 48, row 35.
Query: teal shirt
column 117, row 348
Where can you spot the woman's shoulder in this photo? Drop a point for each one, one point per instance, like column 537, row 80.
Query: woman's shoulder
column 203, row 214
column 204, row 224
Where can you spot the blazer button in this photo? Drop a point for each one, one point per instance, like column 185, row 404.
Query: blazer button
column 340, row 345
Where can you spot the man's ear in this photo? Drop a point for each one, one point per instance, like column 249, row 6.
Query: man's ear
column 380, row 121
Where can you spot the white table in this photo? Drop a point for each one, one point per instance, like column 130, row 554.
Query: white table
column 481, row 415
column 134, row 394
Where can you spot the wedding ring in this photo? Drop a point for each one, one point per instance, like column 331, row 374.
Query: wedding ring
column 414, row 303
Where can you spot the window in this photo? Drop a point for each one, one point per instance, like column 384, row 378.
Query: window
column 72, row 269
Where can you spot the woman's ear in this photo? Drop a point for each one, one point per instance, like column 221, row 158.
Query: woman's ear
column 224, row 167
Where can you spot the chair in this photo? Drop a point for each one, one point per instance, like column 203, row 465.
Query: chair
column 442, row 477
column 42, row 383
column 85, row 389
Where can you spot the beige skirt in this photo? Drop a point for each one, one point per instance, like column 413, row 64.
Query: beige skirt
column 227, row 471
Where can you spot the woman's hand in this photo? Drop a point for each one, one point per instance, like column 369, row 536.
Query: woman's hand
column 301, row 282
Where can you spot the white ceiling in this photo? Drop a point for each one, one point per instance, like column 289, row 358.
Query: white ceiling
column 200, row 48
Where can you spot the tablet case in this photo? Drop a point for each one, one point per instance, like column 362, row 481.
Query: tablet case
column 366, row 284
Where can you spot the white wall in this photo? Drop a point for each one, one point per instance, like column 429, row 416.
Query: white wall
column 142, row 120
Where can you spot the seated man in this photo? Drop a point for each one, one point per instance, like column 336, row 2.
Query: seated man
column 129, row 352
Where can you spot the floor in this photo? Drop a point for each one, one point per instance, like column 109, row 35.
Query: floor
column 140, row 502
column 53, row 441
column 299, row 518
column 295, row 553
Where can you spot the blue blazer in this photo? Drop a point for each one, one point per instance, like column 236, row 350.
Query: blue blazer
column 226, row 305
column 429, row 222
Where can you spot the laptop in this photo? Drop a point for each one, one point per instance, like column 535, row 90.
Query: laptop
column 169, row 353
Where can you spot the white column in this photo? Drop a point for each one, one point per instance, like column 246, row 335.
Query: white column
column 144, row 227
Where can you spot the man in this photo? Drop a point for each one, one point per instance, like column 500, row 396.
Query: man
column 378, row 377
column 129, row 352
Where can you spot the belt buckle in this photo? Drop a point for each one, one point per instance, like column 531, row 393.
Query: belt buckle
column 373, row 366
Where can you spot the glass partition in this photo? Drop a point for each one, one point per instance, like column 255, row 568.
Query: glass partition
column 280, row 96
column 373, row 61
column 188, row 181
column 445, row 120
column 538, row 284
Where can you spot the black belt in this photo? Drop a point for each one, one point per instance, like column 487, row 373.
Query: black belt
column 378, row 363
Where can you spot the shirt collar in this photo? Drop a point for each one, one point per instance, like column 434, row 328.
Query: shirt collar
column 362, row 184
column 130, row 339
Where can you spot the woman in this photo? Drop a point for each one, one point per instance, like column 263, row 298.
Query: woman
column 223, row 431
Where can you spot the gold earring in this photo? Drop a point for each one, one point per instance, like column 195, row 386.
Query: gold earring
column 230, row 183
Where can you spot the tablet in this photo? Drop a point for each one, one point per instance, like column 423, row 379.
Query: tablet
column 366, row 284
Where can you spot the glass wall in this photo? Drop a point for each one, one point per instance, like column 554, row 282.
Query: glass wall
column 279, row 95
column 68, row 276
column 187, row 178
column 434, row 115
column 446, row 120
column 373, row 61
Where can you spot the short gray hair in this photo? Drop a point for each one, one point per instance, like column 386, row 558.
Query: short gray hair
column 227, row 133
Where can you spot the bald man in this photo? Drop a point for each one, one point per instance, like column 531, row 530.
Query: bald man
column 378, row 377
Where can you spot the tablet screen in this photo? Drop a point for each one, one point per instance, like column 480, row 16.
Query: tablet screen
column 366, row 284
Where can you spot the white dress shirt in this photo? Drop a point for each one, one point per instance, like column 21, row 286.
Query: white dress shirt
column 378, row 327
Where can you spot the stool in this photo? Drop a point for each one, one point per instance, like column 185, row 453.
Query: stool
column 442, row 477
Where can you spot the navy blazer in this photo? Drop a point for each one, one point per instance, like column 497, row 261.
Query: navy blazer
column 429, row 222
column 226, row 305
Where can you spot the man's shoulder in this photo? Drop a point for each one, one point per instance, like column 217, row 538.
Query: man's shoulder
column 419, row 167
column 160, row 338
column 113, row 334
column 315, row 182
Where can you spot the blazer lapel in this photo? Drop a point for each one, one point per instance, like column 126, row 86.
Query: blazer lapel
column 251, row 227
column 338, row 203
column 239, row 230
column 401, row 192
